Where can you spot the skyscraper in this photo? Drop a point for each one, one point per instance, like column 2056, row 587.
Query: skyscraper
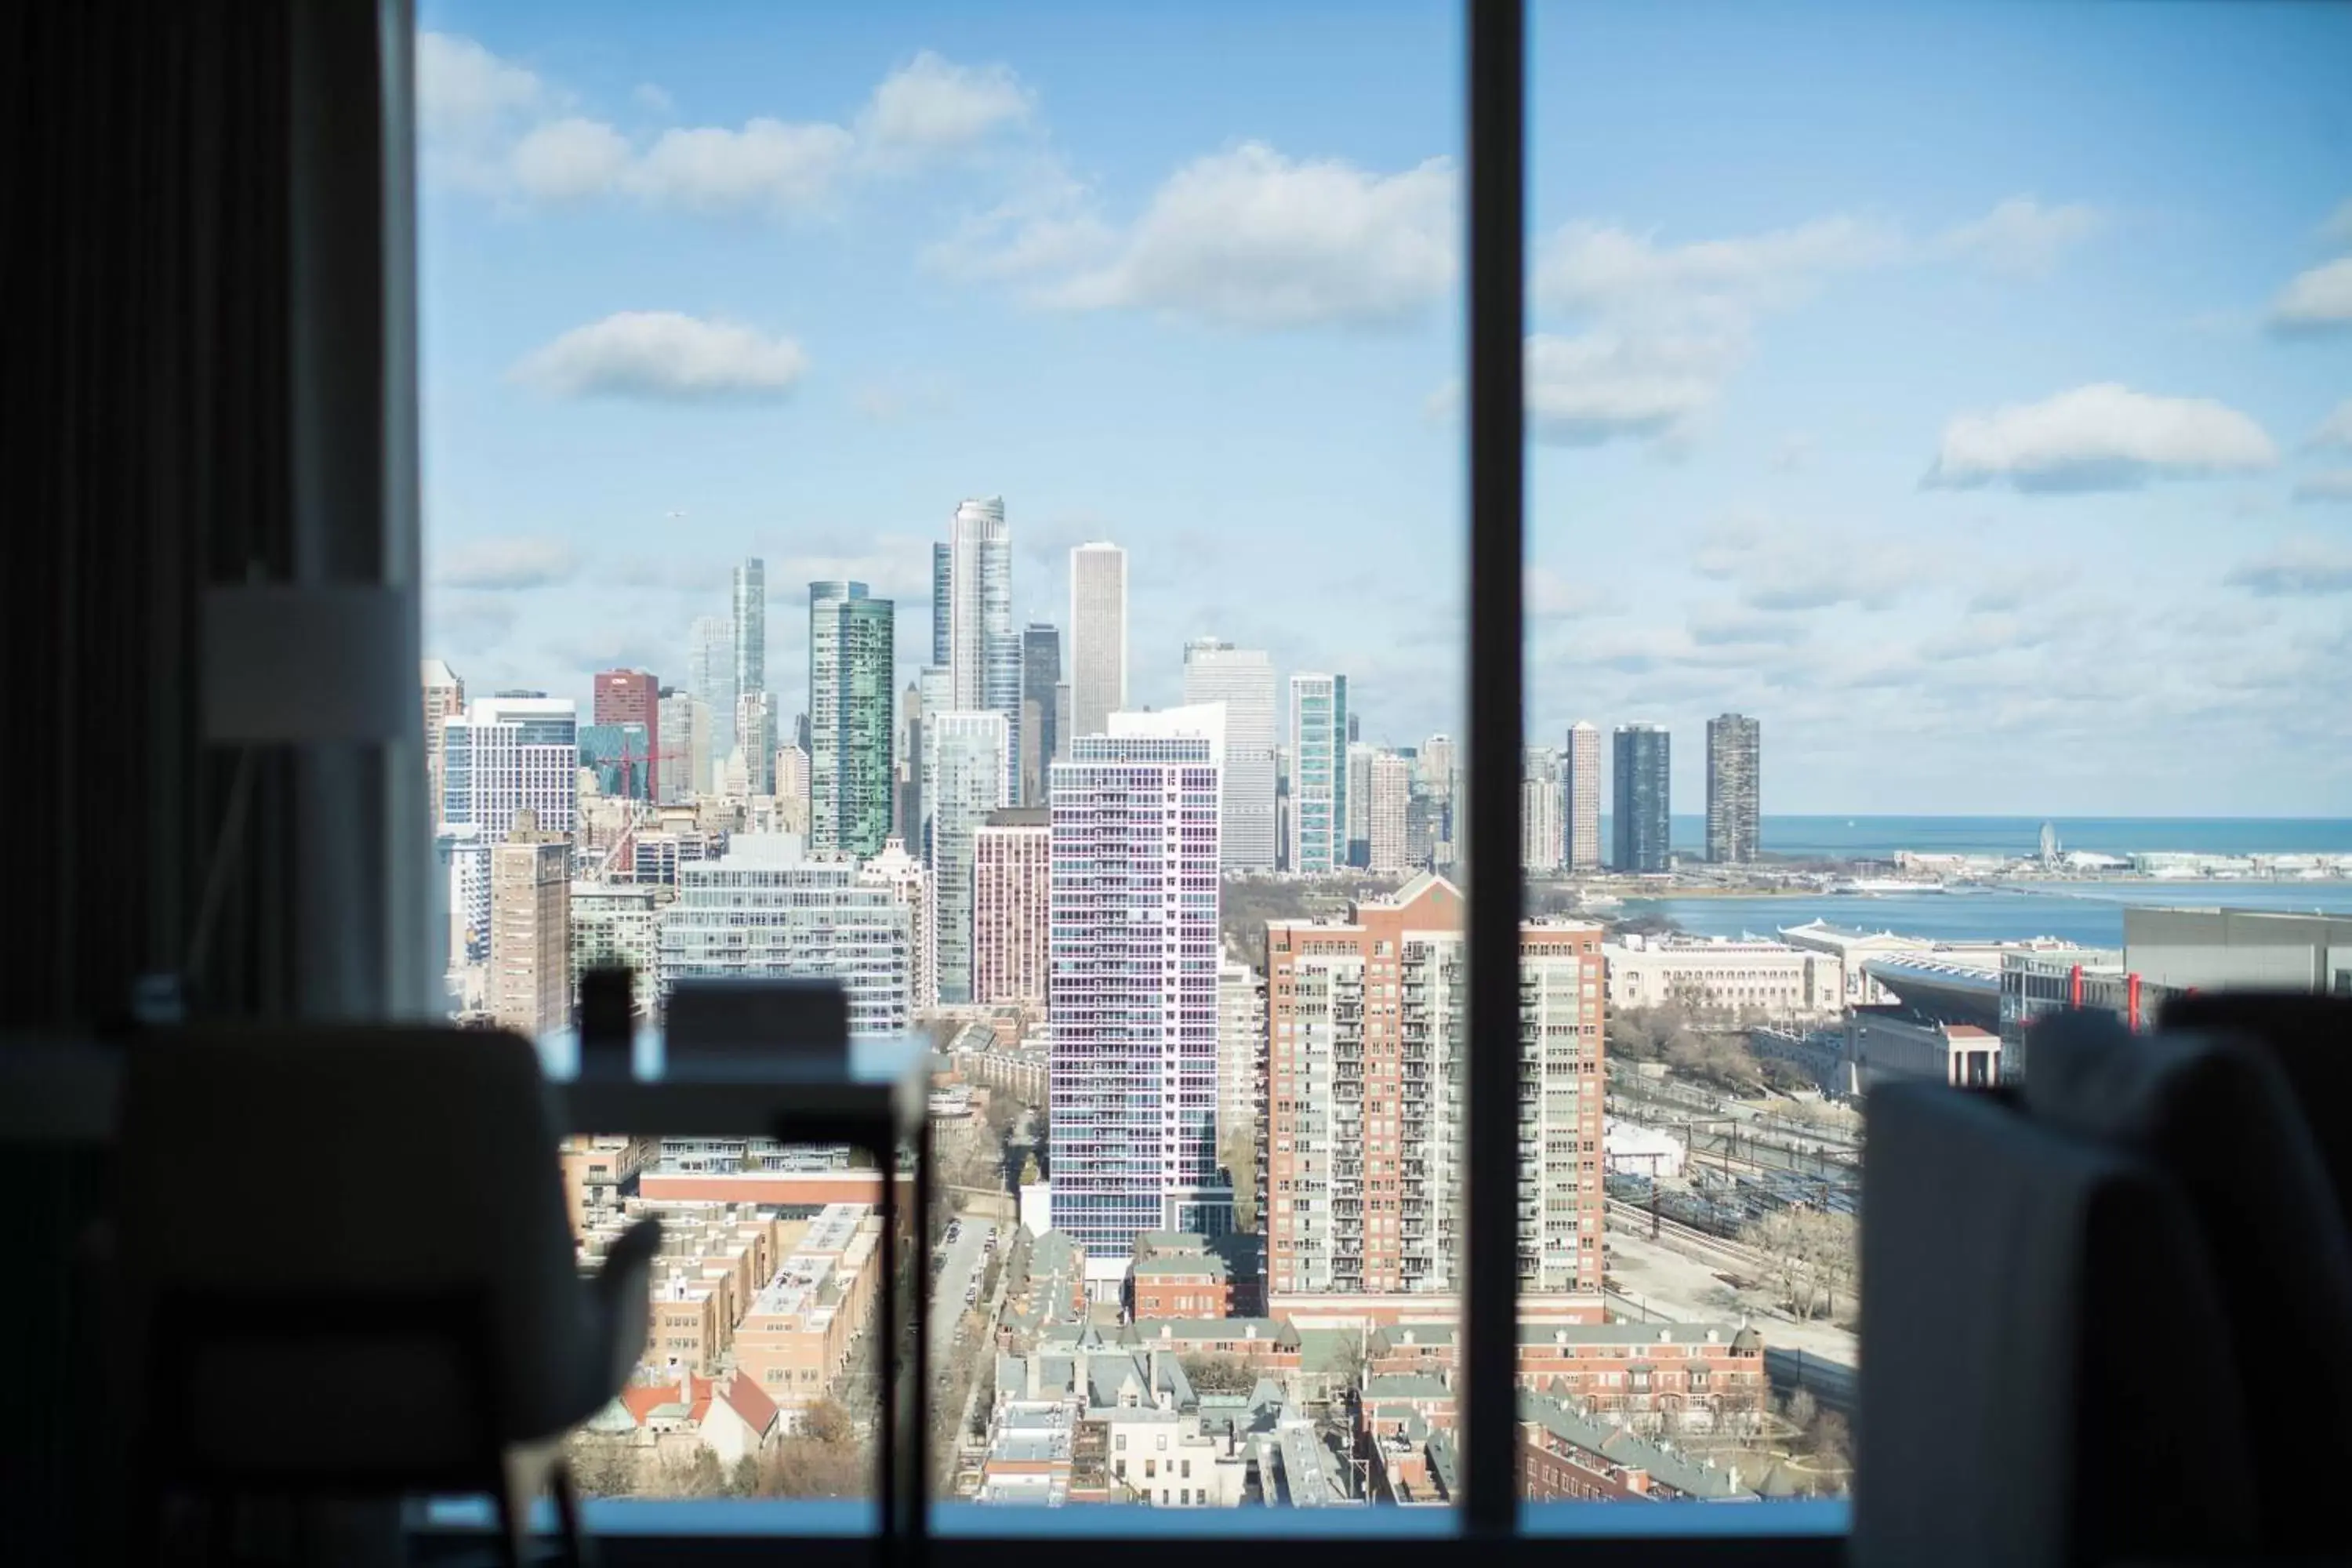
column 1642, row 781
column 530, row 928
column 790, row 785
column 755, row 739
column 1240, row 1059
column 1583, row 796
column 910, row 885
column 1360, row 799
column 750, row 624
column 851, row 679
column 619, row 758
column 1543, row 842
column 1243, row 679
column 1733, row 776
column 1133, row 990
column 504, row 753
column 963, row 781
column 983, row 651
column 682, row 758
column 1097, row 637
column 710, row 676
column 1389, row 783
column 1382, row 1192
column 445, row 698
column 633, row 696
column 1435, row 763
column 1318, row 774
column 942, row 597
column 765, row 911
column 1012, row 866
column 1040, row 672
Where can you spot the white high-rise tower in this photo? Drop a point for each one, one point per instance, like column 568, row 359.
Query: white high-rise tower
column 1243, row 679
column 1097, row 637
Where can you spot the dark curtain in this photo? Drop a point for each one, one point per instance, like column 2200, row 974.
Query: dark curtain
column 144, row 270
column 146, row 276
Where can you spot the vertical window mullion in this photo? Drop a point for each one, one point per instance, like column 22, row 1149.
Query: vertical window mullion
column 1495, row 95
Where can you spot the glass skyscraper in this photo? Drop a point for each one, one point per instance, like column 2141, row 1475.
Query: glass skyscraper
column 1640, row 823
column 963, row 783
column 1733, row 767
column 1040, row 672
column 983, row 651
column 620, row 757
column 1243, row 679
column 1318, row 774
column 852, row 639
column 1132, row 989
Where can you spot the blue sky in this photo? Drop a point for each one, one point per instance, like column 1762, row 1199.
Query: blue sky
column 1965, row 391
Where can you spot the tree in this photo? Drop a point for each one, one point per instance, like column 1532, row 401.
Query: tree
column 823, row 1458
column 1240, row 1159
column 1219, row 1373
column 602, row 1466
column 1030, row 1174
column 744, row 1479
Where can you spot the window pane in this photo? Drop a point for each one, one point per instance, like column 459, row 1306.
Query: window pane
column 970, row 506
column 1936, row 534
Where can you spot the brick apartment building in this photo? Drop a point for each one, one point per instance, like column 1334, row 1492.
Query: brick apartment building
column 1364, row 1153
column 1565, row 1457
column 1175, row 1275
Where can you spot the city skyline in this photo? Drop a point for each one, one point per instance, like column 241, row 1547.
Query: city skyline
column 2090, row 346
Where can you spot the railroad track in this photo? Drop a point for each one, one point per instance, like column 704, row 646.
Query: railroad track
column 1636, row 1218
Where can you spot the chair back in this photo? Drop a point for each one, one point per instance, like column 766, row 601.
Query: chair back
column 344, row 1249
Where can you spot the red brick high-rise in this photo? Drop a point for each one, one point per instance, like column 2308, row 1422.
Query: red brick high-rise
column 634, row 696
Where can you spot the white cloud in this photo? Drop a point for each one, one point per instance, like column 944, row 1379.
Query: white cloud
column 652, row 97
column 2103, row 436
column 1597, row 387
column 1782, row 567
column 463, row 87
column 662, row 354
column 2338, row 226
column 567, row 160
column 767, row 164
column 508, row 564
column 2021, row 235
column 2301, row 565
column 1551, row 596
column 933, row 105
column 1731, row 627
column 2335, row 430
column 2318, row 300
column 463, row 624
column 1247, row 238
column 1594, row 267
column 2332, row 486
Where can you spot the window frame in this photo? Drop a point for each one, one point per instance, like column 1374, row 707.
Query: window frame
column 632, row 1530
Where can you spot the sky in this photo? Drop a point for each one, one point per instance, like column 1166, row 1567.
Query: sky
column 1965, row 391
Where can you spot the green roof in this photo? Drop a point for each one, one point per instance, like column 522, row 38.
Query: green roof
column 1184, row 1267
column 1273, row 1330
column 1404, row 1386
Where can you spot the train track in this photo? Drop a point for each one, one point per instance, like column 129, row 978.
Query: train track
column 1635, row 1218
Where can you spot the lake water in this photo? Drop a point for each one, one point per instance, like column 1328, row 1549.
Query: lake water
column 2091, row 913
column 1878, row 837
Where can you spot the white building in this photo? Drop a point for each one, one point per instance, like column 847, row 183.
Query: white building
column 683, row 762
column 1388, row 793
column 1133, row 988
column 964, row 779
column 1850, row 947
column 1769, row 979
column 1242, row 679
column 1241, row 1052
column 1097, row 637
column 765, row 911
column 506, row 754
column 1583, row 796
column 619, row 922
column 984, row 650
column 910, row 884
column 1543, row 841
column 1360, row 802
column 711, row 677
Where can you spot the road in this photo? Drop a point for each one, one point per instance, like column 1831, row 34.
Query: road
column 966, row 1261
column 1657, row 1280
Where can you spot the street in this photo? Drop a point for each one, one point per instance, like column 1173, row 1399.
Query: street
column 966, row 1264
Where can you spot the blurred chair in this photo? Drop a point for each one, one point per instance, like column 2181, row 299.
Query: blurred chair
column 345, row 1268
column 2213, row 1112
column 2310, row 1038
column 2048, row 1376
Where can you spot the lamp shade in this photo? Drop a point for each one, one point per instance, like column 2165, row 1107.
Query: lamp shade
column 291, row 665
